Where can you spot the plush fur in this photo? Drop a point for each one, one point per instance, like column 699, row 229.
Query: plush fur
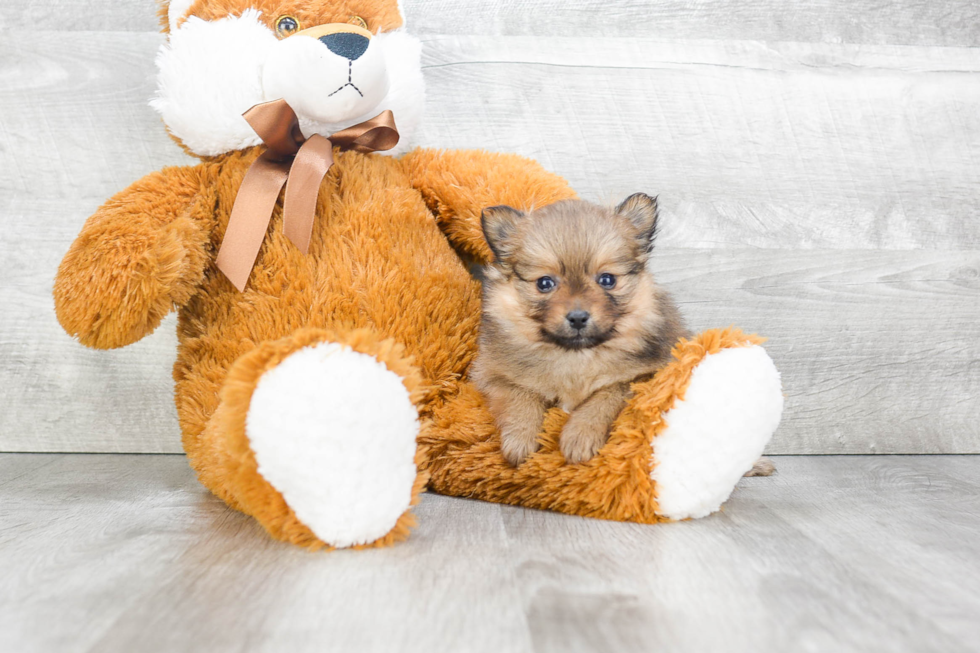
column 386, row 277
column 221, row 58
column 340, row 443
column 463, row 446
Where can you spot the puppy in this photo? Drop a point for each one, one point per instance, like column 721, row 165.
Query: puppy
column 571, row 317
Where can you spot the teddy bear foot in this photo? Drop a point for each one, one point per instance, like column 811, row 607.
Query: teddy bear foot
column 334, row 430
column 731, row 408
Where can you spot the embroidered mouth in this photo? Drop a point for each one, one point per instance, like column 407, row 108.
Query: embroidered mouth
column 350, row 83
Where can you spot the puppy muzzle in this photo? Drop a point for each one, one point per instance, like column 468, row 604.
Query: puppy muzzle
column 574, row 339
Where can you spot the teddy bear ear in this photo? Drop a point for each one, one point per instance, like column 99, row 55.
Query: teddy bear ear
column 642, row 211
column 499, row 228
column 175, row 10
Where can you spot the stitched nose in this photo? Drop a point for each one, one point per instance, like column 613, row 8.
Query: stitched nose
column 345, row 44
column 578, row 319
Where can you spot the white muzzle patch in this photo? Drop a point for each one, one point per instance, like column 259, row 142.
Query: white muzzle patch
column 211, row 72
column 322, row 85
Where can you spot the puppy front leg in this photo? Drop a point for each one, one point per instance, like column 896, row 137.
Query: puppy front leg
column 519, row 415
column 587, row 428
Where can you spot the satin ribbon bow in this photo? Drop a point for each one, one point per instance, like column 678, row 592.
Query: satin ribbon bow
column 301, row 161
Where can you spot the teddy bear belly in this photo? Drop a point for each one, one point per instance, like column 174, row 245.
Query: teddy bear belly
column 400, row 279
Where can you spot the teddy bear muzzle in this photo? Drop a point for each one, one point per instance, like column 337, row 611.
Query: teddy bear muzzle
column 327, row 73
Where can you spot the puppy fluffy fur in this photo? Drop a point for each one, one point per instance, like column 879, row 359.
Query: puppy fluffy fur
column 571, row 316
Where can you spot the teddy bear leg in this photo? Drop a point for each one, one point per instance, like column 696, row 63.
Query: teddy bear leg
column 675, row 452
column 315, row 437
column 715, row 431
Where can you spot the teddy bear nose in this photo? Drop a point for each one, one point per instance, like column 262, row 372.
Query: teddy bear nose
column 346, row 44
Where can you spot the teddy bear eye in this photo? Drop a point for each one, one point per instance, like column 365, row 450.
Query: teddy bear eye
column 607, row 281
column 357, row 20
column 286, row 25
column 546, row 284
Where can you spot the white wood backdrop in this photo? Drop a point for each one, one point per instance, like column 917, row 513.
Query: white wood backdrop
column 818, row 165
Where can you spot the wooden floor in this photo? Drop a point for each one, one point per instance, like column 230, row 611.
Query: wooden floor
column 129, row 553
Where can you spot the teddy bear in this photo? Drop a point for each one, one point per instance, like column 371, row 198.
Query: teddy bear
column 325, row 331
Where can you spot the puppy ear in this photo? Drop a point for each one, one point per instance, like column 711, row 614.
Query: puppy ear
column 641, row 210
column 499, row 227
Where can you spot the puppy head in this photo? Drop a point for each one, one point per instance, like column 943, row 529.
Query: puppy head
column 335, row 62
column 572, row 274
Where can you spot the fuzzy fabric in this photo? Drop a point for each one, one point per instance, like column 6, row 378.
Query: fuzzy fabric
column 329, row 394
column 379, row 264
column 333, row 430
column 223, row 59
column 463, row 447
column 716, row 432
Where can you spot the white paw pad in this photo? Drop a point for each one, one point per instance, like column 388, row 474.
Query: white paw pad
column 731, row 408
column 333, row 430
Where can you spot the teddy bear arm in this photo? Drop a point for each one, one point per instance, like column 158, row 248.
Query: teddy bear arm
column 458, row 184
column 140, row 255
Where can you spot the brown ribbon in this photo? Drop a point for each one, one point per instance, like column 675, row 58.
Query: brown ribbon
column 303, row 162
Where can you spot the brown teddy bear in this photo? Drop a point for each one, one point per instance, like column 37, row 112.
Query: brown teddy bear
column 325, row 332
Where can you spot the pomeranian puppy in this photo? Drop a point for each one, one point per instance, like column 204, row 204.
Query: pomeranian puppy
column 571, row 316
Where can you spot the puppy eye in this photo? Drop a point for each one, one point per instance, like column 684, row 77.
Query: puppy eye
column 546, row 284
column 357, row 20
column 286, row 26
column 607, row 280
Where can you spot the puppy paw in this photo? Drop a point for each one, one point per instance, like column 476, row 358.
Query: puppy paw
column 581, row 440
column 762, row 467
column 516, row 447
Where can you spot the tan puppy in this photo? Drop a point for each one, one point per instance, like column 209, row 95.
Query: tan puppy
column 571, row 317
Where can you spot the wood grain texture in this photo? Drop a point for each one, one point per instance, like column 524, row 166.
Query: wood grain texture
column 78, row 15
column 856, row 553
column 909, row 22
column 75, row 105
column 823, row 193
column 748, row 144
column 879, row 351
column 782, row 146
column 75, row 128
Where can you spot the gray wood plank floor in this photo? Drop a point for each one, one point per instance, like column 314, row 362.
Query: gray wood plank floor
column 834, row 553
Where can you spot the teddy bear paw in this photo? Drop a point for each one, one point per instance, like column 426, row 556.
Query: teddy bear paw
column 334, row 431
column 730, row 410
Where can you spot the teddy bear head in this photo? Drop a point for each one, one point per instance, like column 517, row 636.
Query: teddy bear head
column 335, row 62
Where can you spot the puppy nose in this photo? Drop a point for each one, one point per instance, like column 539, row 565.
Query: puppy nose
column 346, row 44
column 578, row 319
